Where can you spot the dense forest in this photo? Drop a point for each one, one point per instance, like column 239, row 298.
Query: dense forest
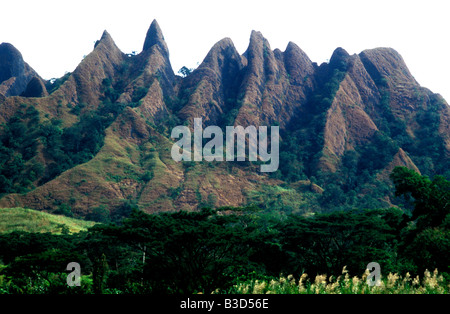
column 215, row 249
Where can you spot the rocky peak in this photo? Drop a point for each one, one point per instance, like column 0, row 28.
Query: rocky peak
column 149, row 76
column 272, row 77
column 154, row 58
column 258, row 51
column 262, row 63
column 11, row 61
column 215, row 81
column 393, row 78
column 85, row 83
column 257, row 41
column 155, row 37
column 106, row 40
column 219, row 53
column 339, row 59
column 15, row 73
column 386, row 63
column 297, row 63
column 106, row 46
column 222, row 63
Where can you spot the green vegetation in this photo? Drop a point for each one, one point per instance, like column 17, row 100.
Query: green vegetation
column 428, row 151
column 63, row 148
column 18, row 146
column 53, row 84
column 79, row 143
column 245, row 250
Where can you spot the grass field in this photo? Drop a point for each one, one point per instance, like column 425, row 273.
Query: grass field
column 23, row 219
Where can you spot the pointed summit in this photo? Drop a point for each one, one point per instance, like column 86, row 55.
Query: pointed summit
column 260, row 57
column 258, row 50
column 294, row 54
column 155, row 37
column 106, row 40
column 106, row 36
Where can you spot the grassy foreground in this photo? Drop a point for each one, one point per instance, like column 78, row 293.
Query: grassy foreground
column 430, row 283
column 28, row 220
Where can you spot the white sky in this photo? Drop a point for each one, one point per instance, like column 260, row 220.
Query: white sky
column 54, row 35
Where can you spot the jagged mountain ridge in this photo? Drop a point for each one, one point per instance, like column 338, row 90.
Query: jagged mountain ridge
column 330, row 116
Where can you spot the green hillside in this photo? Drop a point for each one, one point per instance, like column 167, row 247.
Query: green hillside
column 22, row 219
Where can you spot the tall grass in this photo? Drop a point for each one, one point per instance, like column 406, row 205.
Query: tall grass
column 430, row 283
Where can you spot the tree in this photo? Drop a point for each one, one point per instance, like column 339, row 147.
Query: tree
column 185, row 71
column 431, row 198
column 100, row 214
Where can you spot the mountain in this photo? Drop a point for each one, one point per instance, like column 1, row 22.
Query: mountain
column 97, row 142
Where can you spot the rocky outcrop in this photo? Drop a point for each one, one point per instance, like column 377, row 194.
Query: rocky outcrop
column 390, row 73
column 15, row 73
column 401, row 159
column 84, row 86
column 149, row 76
column 35, row 88
column 155, row 37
